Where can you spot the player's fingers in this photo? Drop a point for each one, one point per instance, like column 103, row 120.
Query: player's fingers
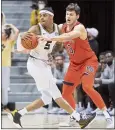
column 29, row 35
column 26, row 34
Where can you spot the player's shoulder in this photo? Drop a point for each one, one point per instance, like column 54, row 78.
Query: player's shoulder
column 35, row 29
column 79, row 26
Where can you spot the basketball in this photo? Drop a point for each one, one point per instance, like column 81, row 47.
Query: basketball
column 29, row 41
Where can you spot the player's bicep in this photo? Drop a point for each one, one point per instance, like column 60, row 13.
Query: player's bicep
column 34, row 29
column 75, row 34
column 80, row 29
column 77, row 31
column 71, row 35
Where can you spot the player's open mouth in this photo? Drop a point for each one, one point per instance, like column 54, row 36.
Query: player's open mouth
column 68, row 20
column 43, row 21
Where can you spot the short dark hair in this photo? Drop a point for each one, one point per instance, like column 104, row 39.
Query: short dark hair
column 8, row 31
column 73, row 7
column 34, row 6
column 102, row 53
column 48, row 9
column 109, row 52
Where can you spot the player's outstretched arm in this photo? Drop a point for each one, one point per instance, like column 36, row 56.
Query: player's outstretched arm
column 77, row 32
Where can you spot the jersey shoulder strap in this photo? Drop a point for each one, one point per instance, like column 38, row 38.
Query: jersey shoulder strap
column 56, row 29
column 40, row 28
column 64, row 26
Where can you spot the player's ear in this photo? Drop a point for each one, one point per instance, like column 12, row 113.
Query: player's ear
column 52, row 17
column 77, row 16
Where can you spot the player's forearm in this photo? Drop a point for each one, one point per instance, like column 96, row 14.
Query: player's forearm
column 108, row 81
column 66, row 36
column 60, row 38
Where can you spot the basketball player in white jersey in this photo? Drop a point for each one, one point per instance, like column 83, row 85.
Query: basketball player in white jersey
column 41, row 72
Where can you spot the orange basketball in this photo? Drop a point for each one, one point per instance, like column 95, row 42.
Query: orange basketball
column 29, row 41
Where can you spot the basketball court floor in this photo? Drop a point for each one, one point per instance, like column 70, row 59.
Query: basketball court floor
column 52, row 122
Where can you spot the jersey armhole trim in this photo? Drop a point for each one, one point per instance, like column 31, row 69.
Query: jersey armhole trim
column 39, row 29
column 58, row 30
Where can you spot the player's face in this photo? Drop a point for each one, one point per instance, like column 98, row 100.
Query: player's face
column 71, row 17
column 45, row 19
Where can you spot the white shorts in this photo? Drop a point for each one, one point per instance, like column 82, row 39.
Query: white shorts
column 41, row 72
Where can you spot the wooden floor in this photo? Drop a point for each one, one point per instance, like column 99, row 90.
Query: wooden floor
column 50, row 121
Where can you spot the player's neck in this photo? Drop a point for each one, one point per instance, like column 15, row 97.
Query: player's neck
column 49, row 28
column 70, row 26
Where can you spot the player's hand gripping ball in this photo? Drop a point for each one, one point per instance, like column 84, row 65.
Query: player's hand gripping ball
column 29, row 41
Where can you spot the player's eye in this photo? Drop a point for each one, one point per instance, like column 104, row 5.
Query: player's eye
column 45, row 15
column 71, row 14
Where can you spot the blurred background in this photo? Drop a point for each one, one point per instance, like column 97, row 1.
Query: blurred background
column 98, row 16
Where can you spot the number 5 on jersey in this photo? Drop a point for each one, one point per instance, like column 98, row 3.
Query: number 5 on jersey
column 47, row 45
